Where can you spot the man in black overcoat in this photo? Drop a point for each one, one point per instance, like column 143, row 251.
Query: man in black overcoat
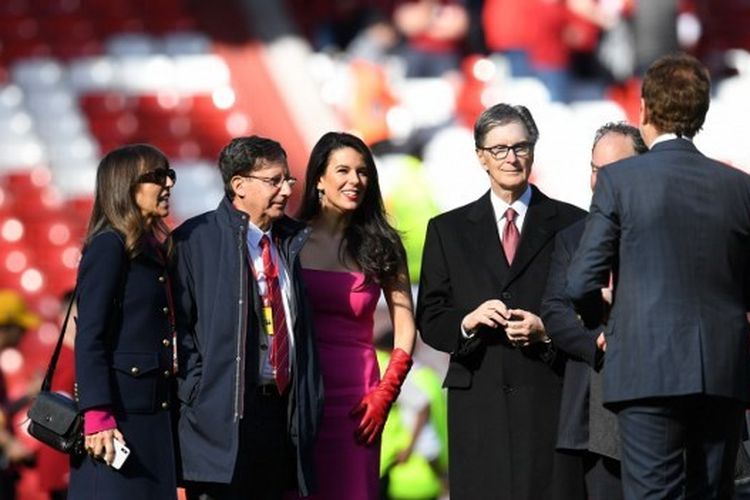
column 483, row 273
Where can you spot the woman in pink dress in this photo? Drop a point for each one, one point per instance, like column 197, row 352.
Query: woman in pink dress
column 351, row 255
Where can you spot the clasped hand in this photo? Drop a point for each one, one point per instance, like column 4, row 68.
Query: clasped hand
column 522, row 327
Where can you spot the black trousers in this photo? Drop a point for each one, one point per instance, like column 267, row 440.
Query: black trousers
column 679, row 447
column 602, row 477
column 265, row 459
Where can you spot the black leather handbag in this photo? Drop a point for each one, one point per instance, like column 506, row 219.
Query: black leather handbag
column 54, row 417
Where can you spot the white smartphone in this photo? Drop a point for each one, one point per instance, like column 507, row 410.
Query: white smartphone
column 121, row 453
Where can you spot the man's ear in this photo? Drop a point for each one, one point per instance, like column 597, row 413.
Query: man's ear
column 238, row 186
column 643, row 113
column 482, row 159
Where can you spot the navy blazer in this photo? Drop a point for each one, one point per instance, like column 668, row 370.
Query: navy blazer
column 123, row 345
column 123, row 352
column 675, row 226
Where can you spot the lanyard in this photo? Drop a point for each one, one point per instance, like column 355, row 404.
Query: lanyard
column 267, row 309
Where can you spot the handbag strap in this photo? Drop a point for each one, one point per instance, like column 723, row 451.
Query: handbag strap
column 47, row 383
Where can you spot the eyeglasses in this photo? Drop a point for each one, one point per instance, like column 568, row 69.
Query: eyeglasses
column 274, row 182
column 158, row 176
column 500, row 152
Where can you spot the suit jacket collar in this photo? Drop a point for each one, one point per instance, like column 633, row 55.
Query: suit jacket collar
column 675, row 145
column 521, row 206
column 537, row 229
column 484, row 239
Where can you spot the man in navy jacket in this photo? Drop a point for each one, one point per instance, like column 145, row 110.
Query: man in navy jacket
column 240, row 434
column 674, row 228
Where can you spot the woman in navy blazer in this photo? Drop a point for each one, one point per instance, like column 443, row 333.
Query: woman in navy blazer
column 124, row 356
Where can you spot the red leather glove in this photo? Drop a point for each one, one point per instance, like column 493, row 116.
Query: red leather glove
column 374, row 406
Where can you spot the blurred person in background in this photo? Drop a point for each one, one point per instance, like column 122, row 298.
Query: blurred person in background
column 546, row 38
column 53, row 466
column 655, row 29
column 352, row 255
column 123, row 346
column 413, row 461
column 529, row 34
column 587, row 428
column 484, row 270
column 15, row 320
column 434, row 31
column 250, row 390
column 332, row 25
column 673, row 228
column 375, row 41
column 507, row 32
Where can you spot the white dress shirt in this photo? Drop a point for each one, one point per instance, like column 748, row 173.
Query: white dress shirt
column 521, row 206
column 668, row 137
column 254, row 234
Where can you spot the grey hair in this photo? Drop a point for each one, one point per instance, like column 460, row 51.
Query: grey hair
column 622, row 128
column 502, row 114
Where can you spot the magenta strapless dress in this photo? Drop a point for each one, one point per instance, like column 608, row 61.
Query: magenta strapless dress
column 343, row 310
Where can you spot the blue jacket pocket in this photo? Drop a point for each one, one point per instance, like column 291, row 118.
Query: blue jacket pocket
column 136, row 376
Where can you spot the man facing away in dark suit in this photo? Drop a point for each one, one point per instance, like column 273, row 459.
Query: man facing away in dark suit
column 674, row 228
column 586, row 428
column 483, row 273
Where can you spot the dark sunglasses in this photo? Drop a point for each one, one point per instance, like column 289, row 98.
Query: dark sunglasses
column 158, row 176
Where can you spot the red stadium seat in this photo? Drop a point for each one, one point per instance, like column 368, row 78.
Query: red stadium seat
column 15, row 7
column 18, row 28
column 111, row 24
column 75, row 27
column 104, row 103
column 80, row 208
column 56, row 7
column 52, row 231
column 70, row 49
column 118, row 128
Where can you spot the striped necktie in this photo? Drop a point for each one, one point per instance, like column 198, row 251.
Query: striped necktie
column 280, row 340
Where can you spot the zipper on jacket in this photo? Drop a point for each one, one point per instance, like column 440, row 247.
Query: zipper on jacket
column 239, row 372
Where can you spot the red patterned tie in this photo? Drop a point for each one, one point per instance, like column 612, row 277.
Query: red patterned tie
column 280, row 341
column 510, row 235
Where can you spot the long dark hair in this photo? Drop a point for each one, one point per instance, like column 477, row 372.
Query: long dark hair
column 368, row 238
column 114, row 201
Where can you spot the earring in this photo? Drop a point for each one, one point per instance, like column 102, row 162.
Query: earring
column 320, row 194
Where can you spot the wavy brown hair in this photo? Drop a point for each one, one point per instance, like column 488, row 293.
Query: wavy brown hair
column 676, row 91
column 114, row 202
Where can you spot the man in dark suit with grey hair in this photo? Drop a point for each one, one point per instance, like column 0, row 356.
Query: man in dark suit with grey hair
column 674, row 228
column 586, row 428
column 483, row 274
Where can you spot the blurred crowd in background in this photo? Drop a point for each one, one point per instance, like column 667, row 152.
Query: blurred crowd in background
column 79, row 77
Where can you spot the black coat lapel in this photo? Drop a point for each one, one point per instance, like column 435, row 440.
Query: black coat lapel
column 484, row 240
column 538, row 228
